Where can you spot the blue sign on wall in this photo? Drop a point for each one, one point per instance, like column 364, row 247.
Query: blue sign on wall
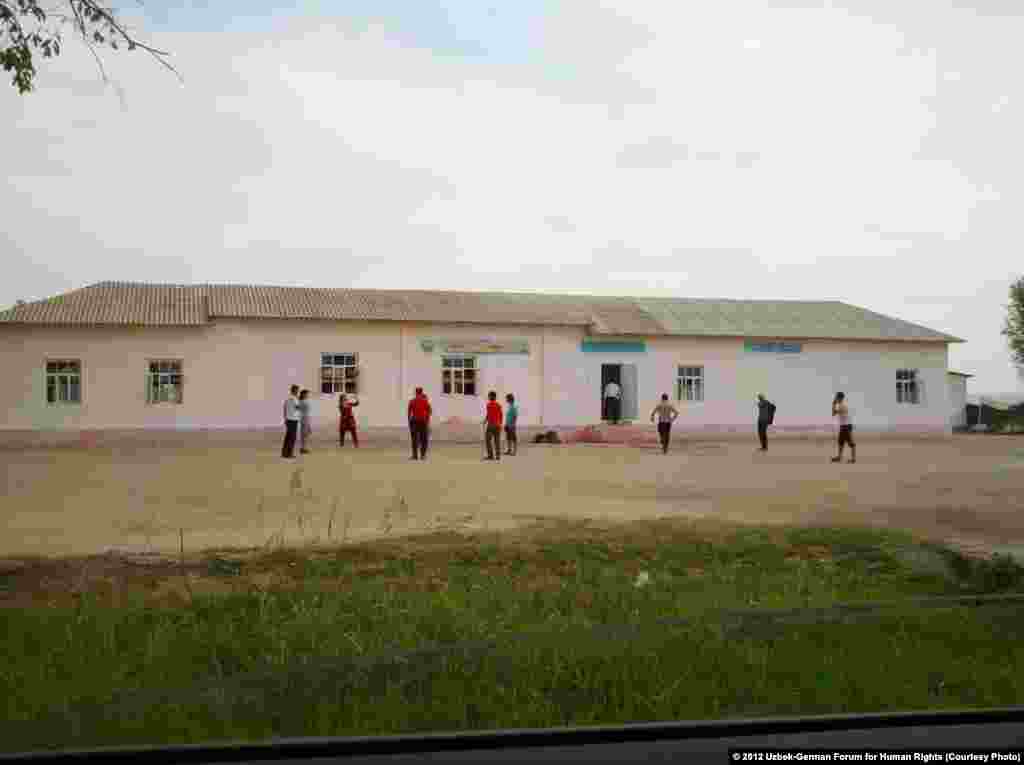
column 591, row 346
column 772, row 347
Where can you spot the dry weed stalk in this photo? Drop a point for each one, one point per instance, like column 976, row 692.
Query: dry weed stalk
column 184, row 574
column 330, row 523
column 79, row 589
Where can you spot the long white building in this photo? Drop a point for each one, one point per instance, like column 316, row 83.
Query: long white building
column 115, row 356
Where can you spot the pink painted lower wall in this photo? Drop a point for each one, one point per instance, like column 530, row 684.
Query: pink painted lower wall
column 237, row 375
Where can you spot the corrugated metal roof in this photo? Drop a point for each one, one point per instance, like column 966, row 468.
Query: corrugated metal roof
column 781, row 318
column 127, row 303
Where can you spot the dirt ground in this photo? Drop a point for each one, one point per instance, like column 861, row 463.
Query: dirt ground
column 967, row 491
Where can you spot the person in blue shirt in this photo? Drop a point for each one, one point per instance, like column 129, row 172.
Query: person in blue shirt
column 305, row 421
column 511, row 415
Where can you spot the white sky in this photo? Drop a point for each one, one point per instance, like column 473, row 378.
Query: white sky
column 788, row 150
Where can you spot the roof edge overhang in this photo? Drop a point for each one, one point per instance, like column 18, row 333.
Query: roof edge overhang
column 592, row 328
column 107, row 324
column 389, row 320
column 730, row 336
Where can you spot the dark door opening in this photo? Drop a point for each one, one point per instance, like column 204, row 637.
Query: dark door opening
column 610, row 373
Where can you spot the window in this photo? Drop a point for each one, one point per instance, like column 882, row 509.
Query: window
column 339, row 372
column 458, row 375
column 64, row 381
column 165, row 383
column 690, row 384
column 907, row 387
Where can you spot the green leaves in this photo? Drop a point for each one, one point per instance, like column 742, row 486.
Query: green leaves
column 1013, row 329
column 19, row 60
column 28, row 30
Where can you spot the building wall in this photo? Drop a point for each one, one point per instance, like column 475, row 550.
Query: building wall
column 238, row 372
column 114, row 364
column 801, row 384
column 512, row 373
column 958, row 400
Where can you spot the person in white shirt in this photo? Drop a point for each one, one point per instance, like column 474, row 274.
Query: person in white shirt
column 613, row 401
column 841, row 410
column 291, row 423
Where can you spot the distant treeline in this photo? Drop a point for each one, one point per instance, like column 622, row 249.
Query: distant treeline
column 996, row 419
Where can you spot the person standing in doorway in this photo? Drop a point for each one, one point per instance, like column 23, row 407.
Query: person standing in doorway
column 492, row 421
column 765, row 417
column 511, row 415
column 666, row 414
column 419, row 424
column 841, row 410
column 347, row 419
column 613, row 400
column 291, row 423
column 305, row 423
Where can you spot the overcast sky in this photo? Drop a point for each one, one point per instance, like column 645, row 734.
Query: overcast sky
column 795, row 150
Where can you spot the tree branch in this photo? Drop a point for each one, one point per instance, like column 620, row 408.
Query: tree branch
column 113, row 23
column 80, row 23
column 92, row 20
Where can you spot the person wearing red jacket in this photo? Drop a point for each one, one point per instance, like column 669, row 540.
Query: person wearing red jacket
column 419, row 424
column 493, row 421
column 347, row 420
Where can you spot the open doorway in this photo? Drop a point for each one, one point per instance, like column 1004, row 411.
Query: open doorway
column 610, row 373
column 625, row 406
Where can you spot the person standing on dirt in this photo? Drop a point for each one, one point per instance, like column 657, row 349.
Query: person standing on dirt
column 291, row 423
column 511, row 415
column 613, row 401
column 765, row 417
column 419, row 424
column 492, row 421
column 305, row 421
column 347, row 419
column 666, row 414
column 841, row 410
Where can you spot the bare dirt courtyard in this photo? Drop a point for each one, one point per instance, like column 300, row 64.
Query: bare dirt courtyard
column 967, row 491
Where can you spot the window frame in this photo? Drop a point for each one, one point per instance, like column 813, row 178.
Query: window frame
column 346, row 380
column 460, row 371
column 910, row 383
column 681, row 378
column 46, row 380
column 150, row 374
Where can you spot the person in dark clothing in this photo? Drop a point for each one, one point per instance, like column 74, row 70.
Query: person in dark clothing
column 419, row 424
column 292, row 416
column 765, row 417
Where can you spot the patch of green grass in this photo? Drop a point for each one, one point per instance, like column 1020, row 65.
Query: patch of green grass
column 217, row 566
column 518, row 633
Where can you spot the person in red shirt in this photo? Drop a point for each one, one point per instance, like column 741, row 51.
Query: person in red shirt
column 347, row 419
column 419, row 424
column 493, row 421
